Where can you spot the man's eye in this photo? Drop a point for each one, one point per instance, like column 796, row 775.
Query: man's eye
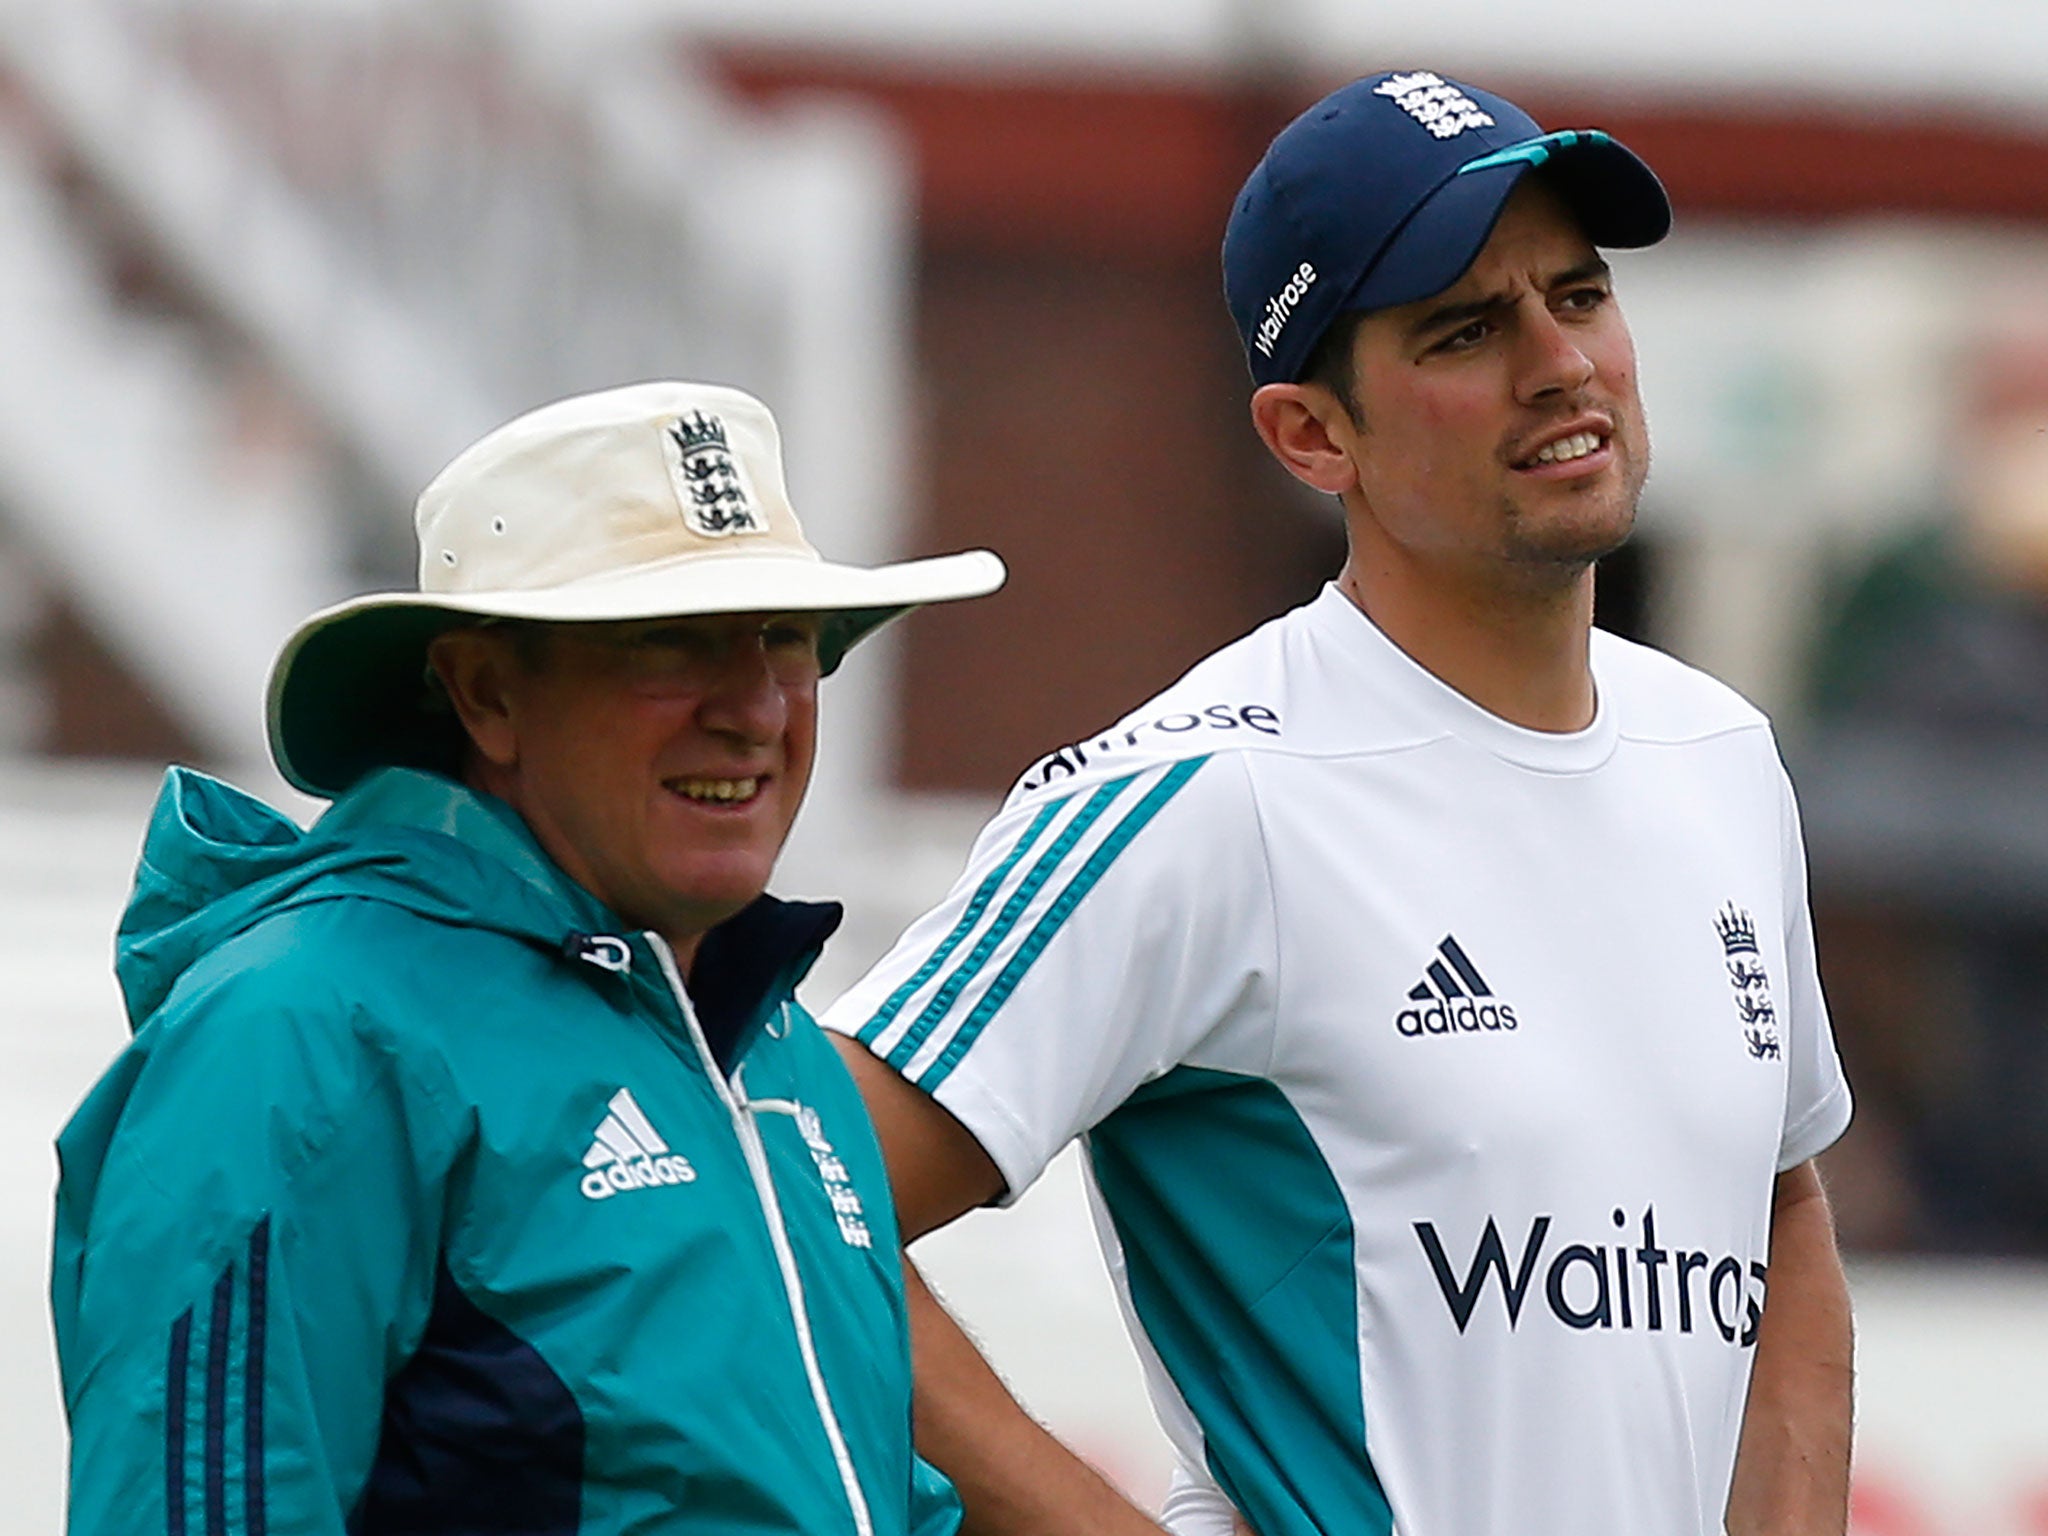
column 792, row 636
column 1584, row 298
column 1465, row 336
column 665, row 647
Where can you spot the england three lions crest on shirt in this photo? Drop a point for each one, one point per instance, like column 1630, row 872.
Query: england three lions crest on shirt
column 1750, row 980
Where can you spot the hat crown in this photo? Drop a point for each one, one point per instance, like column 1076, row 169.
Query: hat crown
column 607, row 484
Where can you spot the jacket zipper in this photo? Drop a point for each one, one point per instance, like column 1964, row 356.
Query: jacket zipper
column 785, row 1257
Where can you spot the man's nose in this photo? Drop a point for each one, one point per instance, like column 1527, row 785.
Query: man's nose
column 744, row 698
column 1549, row 358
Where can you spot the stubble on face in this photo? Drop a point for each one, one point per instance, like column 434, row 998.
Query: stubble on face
column 1540, row 539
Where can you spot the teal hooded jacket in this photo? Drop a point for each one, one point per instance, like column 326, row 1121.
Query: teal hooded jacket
column 427, row 1200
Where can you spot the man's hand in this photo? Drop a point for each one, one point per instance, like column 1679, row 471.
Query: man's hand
column 1014, row 1478
column 1792, row 1468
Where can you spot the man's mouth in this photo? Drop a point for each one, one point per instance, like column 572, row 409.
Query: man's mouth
column 716, row 791
column 1565, row 449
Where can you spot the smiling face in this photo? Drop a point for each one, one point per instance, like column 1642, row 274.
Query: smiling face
column 660, row 763
column 1498, row 435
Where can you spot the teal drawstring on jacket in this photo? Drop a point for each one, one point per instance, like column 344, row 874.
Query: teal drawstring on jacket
column 426, row 1199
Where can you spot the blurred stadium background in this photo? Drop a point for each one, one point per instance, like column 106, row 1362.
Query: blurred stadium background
column 265, row 264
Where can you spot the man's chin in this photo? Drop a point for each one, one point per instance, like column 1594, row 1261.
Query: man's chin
column 1575, row 543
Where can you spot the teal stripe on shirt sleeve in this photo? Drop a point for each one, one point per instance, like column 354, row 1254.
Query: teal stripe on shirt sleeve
column 976, row 905
column 1098, row 863
column 1005, row 920
column 1241, row 1260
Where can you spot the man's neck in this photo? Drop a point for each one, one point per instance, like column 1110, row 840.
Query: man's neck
column 1519, row 651
column 486, row 778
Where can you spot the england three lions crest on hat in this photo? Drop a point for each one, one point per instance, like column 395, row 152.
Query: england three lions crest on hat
column 711, row 485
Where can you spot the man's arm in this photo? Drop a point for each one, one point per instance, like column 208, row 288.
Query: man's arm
column 239, row 1241
column 1792, row 1468
column 1014, row 1478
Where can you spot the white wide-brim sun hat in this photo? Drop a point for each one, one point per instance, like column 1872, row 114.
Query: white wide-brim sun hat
column 657, row 500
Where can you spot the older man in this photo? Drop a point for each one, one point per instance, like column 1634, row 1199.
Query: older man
column 1430, row 975
column 474, row 1168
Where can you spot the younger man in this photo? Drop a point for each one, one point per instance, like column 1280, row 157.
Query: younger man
column 1429, row 974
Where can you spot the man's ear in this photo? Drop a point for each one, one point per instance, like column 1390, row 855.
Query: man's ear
column 1308, row 430
column 474, row 666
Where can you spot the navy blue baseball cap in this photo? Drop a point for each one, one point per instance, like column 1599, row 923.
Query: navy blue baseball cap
column 1385, row 191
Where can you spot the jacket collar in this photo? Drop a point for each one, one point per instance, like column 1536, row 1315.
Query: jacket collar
column 744, row 968
column 748, row 966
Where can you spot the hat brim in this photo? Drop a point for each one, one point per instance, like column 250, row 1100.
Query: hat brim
column 348, row 692
column 1618, row 200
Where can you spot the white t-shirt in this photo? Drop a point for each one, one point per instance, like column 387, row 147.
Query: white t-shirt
column 1435, row 1074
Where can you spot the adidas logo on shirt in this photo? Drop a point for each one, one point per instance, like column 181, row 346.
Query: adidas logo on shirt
column 1452, row 998
column 628, row 1154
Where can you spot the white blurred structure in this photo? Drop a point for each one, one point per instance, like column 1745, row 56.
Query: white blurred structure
column 1802, row 391
column 67, row 847
column 418, row 221
column 1976, row 56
